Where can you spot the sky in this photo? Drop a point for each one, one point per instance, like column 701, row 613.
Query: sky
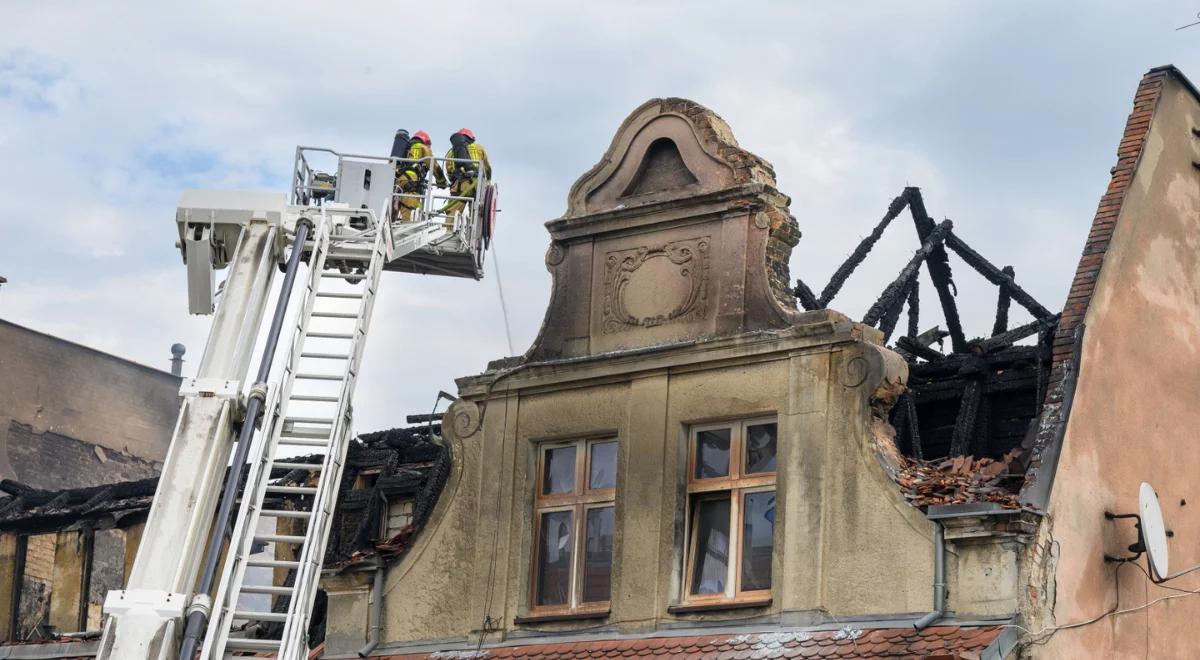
column 1006, row 114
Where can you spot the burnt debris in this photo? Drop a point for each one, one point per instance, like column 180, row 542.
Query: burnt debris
column 974, row 405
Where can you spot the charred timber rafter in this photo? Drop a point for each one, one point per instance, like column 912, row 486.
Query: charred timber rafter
column 914, row 308
column 964, row 425
column 914, row 431
column 939, row 269
column 892, row 315
column 930, row 244
column 1003, row 302
column 843, row 272
column 918, row 349
column 996, row 276
column 1006, row 339
column 805, row 295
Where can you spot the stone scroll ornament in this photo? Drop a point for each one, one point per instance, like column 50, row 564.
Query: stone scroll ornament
column 690, row 255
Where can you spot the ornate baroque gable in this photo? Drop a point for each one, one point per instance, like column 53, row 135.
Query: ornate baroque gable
column 676, row 234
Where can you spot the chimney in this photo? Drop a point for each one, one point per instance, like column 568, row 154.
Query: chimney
column 177, row 351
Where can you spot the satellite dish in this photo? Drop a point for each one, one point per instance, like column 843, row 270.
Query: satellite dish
column 1154, row 532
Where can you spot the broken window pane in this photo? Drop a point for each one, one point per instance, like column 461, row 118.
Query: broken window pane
column 710, row 556
column 597, row 569
column 558, row 474
column 35, row 584
column 712, row 453
column 758, row 533
column 760, row 448
column 554, row 559
column 602, row 474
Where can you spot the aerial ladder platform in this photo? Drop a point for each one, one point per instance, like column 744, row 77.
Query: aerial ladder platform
column 193, row 590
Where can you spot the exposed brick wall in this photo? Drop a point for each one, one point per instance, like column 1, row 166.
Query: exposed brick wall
column 1129, row 152
column 53, row 462
column 749, row 168
column 39, row 556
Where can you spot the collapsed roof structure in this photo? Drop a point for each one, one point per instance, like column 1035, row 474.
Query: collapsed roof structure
column 963, row 424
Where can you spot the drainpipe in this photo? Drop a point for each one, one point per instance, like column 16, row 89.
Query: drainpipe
column 939, row 579
column 376, row 614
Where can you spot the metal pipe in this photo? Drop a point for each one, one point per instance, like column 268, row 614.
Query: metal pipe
column 197, row 618
column 376, row 613
column 939, row 579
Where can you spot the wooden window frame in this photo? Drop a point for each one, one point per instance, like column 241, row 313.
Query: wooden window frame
column 579, row 501
column 736, row 485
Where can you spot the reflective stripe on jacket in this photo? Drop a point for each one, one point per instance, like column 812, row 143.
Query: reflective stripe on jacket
column 476, row 152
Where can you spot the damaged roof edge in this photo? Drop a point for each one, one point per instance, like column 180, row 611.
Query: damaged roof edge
column 1068, row 341
column 1040, row 477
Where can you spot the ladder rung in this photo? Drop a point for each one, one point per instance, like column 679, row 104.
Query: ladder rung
column 292, row 490
column 306, row 435
column 308, row 420
column 346, row 276
column 330, row 335
column 314, row 397
column 335, row 315
column 326, row 356
column 266, row 589
column 280, row 538
column 248, row 644
column 334, row 294
column 285, row 513
column 306, row 442
column 278, row 617
column 273, row 563
column 318, row 376
column 312, row 467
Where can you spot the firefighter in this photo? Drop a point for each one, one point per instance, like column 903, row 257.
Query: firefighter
column 412, row 172
column 464, row 176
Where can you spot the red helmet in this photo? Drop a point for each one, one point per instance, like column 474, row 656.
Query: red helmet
column 467, row 132
column 422, row 136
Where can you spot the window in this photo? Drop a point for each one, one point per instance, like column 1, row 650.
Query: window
column 397, row 516
column 573, row 527
column 731, row 511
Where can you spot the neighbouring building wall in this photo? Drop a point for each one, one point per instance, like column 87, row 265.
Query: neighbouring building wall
column 71, row 416
column 1134, row 414
column 59, row 578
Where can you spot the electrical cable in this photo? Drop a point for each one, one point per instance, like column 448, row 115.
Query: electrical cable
column 1115, row 611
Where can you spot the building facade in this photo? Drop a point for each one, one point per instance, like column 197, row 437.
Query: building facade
column 699, row 458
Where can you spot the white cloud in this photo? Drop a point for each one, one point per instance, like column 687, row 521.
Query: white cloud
column 107, row 111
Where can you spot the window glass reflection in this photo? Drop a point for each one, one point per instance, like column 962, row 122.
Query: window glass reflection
column 554, row 559
column 712, row 453
column 760, row 448
column 558, row 474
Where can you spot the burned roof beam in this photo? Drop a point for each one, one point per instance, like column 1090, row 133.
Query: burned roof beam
column 805, row 295
column 964, row 424
column 914, row 307
column 1006, row 339
column 1003, row 302
column 892, row 315
column 918, row 349
column 843, row 272
column 930, row 243
column 996, row 276
column 939, row 268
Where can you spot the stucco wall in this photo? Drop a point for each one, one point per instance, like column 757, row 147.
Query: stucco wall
column 71, row 416
column 846, row 543
column 1134, row 414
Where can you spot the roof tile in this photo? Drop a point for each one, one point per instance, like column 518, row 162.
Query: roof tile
column 948, row 641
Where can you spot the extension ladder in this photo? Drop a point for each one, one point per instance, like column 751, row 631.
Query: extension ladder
column 309, row 412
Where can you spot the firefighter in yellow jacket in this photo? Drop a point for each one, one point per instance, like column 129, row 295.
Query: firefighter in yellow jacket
column 464, row 176
column 411, row 172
